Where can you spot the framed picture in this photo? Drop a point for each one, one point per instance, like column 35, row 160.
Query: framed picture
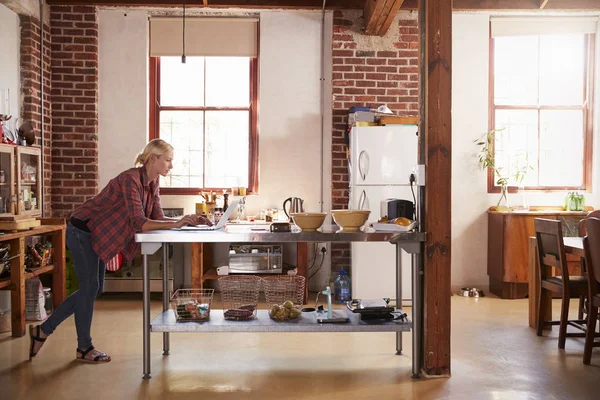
column 173, row 212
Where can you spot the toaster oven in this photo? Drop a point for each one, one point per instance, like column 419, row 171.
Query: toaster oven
column 255, row 258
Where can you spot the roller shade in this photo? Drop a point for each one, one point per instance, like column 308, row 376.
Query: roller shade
column 236, row 37
column 524, row 26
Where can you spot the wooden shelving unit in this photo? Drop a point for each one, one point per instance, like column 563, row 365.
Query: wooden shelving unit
column 56, row 228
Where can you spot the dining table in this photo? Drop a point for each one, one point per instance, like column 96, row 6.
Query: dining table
column 574, row 246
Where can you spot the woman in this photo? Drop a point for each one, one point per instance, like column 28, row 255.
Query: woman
column 100, row 228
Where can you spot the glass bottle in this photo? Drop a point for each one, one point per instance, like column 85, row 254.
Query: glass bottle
column 503, row 204
column 523, row 198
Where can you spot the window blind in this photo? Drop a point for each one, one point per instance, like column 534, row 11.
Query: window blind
column 235, row 37
column 524, row 26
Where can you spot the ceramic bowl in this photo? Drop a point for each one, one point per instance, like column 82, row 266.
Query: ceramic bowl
column 350, row 220
column 308, row 222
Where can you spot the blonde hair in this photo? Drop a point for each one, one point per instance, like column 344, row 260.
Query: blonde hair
column 155, row 146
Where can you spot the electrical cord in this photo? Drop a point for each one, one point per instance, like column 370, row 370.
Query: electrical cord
column 412, row 180
column 314, row 258
column 320, row 265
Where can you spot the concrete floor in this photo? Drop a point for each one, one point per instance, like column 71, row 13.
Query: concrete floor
column 495, row 355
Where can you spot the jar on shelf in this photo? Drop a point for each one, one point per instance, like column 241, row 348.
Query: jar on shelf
column 2, row 176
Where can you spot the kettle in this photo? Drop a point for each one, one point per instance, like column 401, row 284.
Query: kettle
column 296, row 205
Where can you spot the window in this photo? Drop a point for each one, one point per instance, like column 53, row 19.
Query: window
column 206, row 108
column 542, row 108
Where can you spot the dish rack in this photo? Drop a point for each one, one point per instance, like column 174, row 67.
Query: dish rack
column 192, row 304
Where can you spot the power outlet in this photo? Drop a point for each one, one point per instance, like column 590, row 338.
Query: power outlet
column 322, row 248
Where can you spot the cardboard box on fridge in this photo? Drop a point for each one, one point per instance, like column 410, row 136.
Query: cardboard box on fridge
column 360, row 116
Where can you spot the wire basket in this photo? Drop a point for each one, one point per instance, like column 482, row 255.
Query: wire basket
column 239, row 295
column 192, row 304
column 279, row 289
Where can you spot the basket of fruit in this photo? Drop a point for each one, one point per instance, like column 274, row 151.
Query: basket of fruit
column 239, row 295
column 281, row 288
column 285, row 311
column 192, row 304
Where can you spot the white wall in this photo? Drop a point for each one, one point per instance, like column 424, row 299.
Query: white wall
column 470, row 200
column 123, row 90
column 10, row 78
column 289, row 115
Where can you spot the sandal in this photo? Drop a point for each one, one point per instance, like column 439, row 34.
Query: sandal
column 34, row 338
column 100, row 358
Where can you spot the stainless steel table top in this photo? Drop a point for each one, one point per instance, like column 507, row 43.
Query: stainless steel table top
column 233, row 233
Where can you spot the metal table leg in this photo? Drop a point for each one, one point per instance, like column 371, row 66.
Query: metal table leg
column 146, row 317
column 417, row 312
column 398, row 293
column 165, row 248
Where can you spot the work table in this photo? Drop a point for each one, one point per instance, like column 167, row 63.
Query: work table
column 151, row 241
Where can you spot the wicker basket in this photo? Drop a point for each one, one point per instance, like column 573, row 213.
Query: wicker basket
column 192, row 304
column 239, row 295
column 279, row 289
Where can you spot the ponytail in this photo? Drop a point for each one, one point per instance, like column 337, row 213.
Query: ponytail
column 155, row 146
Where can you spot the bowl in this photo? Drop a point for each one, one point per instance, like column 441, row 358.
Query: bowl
column 350, row 220
column 308, row 222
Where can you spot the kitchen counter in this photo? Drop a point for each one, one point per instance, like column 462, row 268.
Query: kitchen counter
column 249, row 233
column 411, row 242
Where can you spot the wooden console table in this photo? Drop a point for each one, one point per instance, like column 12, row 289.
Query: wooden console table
column 508, row 246
column 16, row 282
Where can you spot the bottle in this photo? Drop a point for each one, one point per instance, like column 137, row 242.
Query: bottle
column 225, row 201
column 341, row 287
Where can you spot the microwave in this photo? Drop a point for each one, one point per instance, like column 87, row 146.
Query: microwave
column 249, row 258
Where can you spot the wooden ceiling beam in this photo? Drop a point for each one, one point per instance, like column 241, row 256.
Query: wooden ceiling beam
column 287, row 4
column 459, row 5
column 516, row 5
column 379, row 14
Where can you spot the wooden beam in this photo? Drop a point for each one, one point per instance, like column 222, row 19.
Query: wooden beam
column 286, row 4
column 435, row 26
column 520, row 5
column 379, row 15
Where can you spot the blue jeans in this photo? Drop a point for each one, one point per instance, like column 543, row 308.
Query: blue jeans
column 90, row 271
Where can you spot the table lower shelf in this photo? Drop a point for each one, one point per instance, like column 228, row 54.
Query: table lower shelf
column 307, row 322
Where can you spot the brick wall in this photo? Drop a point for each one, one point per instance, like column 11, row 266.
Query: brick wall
column 74, row 68
column 31, row 92
column 368, row 71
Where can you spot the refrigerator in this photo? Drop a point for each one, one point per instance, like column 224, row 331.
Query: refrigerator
column 381, row 161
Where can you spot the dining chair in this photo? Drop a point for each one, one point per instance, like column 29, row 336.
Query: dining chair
column 591, row 246
column 554, row 277
column 583, row 222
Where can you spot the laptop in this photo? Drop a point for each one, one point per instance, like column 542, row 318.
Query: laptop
column 220, row 225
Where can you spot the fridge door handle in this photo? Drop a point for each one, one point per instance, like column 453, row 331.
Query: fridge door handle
column 362, row 200
column 363, row 164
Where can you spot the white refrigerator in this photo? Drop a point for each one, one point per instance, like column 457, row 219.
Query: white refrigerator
column 381, row 161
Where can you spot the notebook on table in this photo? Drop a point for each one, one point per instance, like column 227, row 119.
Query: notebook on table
column 220, row 225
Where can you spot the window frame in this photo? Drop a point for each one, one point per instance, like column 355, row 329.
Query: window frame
column 154, row 126
column 588, row 121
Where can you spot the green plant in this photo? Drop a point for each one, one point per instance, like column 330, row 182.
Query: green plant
column 520, row 163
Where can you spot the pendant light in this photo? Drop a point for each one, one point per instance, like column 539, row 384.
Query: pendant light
column 183, row 34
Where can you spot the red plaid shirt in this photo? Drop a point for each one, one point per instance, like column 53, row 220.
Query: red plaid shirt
column 119, row 211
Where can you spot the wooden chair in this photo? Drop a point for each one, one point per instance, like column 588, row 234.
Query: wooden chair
column 591, row 245
column 583, row 222
column 551, row 256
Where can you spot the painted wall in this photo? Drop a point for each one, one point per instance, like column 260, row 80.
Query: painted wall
column 470, row 200
column 123, row 90
column 289, row 119
column 10, row 78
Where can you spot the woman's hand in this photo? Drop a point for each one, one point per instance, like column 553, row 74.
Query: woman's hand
column 192, row 219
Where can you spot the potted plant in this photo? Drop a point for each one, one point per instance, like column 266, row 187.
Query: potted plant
column 487, row 160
